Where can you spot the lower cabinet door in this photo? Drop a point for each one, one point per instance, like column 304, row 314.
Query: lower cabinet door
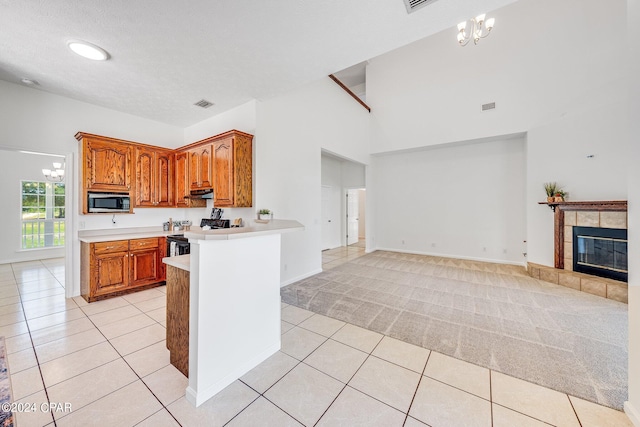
column 111, row 272
column 145, row 268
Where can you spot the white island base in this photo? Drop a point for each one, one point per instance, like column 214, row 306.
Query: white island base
column 234, row 304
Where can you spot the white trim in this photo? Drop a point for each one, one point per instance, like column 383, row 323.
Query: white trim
column 495, row 261
column 302, row 277
column 632, row 413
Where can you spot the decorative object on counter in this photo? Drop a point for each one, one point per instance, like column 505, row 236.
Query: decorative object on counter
column 177, row 225
column 237, row 223
column 170, row 224
column 265, row 214
column 165, row 226
column 186, row 224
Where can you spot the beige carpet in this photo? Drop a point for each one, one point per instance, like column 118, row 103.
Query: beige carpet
column 492, row 315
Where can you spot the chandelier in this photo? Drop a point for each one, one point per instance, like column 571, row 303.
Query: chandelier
column 54, row 175
column 475, row 28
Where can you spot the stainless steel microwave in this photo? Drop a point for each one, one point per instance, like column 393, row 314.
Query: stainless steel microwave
column 108, row 202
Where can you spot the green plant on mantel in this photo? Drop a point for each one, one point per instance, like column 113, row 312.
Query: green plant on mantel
column 551, row 188
column 555, row 193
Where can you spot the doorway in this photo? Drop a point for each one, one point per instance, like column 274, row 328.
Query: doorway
column 355, row 219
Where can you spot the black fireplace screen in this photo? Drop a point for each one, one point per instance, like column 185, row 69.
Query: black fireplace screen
column 600, row 251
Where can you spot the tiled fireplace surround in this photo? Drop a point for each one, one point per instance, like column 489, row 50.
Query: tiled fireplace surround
column 582, row 214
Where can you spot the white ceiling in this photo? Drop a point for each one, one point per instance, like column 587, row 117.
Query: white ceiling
column 168, row 54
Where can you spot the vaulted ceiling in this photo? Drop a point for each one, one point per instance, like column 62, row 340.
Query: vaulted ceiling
column 168, row 54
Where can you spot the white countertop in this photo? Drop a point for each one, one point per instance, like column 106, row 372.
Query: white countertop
column 183, row 262
column 127, row 235
column 253, row 229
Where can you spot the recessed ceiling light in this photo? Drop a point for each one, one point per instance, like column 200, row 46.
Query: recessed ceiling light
column 30, row 82
column 88, row 50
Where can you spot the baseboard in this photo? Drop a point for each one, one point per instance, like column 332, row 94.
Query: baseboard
column 302, row 277
column 632, row 413
column 198, row 398
column 494, row 261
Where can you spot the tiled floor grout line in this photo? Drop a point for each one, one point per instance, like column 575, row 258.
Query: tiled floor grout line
column 424, row 368
column 35, row 354
column 130, row 367
column 574, row 410
column 491, row 395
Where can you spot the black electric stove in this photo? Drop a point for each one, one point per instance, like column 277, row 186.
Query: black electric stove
column 215, row 223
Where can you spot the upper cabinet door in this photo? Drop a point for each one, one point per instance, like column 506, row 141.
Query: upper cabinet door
column 182, row 179
column 107, row 165
column 154, row 177
column 223, row 182
column 164, row 162
column 145, row 179
column 200, row 167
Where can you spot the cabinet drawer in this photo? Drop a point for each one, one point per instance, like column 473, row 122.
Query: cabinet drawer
column 113, row 246
column 143, row 243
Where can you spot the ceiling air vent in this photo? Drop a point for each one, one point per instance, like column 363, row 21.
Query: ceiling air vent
column 489, row 106
column 204, row 103
column 413, row 5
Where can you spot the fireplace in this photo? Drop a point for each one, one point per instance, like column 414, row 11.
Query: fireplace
column 600, row 252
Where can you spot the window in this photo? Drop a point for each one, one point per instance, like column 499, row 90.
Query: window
column 43, row 221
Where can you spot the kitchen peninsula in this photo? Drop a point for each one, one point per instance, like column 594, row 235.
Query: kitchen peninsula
column 231, row 306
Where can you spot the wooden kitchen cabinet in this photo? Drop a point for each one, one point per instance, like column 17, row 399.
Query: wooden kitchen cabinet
column 122, row 266
column 200, row 167
column 106, row 163
column 154, row 177
column 110, row 267
column 106, row 166
column 233, row 170
column 183, row 183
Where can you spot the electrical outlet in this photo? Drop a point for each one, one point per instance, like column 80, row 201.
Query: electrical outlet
column 433, row 245
column 504, row 251
column 285, row 267
column 403, row 242
column 484, row 249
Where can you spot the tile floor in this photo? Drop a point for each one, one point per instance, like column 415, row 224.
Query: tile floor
column 336, row 256
column 109, row 361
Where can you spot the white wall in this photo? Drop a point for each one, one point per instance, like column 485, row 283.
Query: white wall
column 558, row 152
column 463, row 200
column 35, row 120
column 632, row 407
column 291, row 132
column 17, row 167
column 550, row 77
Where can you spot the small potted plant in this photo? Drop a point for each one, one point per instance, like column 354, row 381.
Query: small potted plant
column 264, row 214
column 559, row 196
column 551, row 188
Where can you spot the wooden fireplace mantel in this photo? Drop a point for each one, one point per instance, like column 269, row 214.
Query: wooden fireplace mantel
column 560, row 207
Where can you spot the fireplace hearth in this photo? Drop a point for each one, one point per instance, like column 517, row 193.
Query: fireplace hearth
column 601, row 268
column 601, row 252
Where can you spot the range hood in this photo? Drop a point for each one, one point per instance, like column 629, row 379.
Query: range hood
column 206, row 193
